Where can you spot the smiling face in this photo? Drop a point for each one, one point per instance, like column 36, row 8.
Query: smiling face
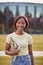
column 20, row 25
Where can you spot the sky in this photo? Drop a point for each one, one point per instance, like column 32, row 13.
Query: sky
column 31, row 1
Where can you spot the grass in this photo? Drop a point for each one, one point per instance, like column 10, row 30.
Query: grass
column 6, row 60
column 37, row 42
column 2, row 42
column 38, row 60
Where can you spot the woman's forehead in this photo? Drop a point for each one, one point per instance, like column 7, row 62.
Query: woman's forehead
column 21, row 19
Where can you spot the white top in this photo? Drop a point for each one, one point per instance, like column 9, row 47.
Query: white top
column 21, row 40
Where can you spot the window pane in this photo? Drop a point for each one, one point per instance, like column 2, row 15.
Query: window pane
column 31, row 10
column 22, row 10
column 38, row 11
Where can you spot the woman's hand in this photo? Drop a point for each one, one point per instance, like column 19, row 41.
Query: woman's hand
column 11, row 51
column 15, row 50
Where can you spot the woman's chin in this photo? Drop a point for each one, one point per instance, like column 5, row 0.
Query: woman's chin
column 20, row 30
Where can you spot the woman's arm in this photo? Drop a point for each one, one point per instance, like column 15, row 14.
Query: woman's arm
column 31, row 53
column 12, row 51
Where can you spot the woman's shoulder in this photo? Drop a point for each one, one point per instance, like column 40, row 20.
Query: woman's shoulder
column 29, row 35
column 30, row 39
column 11, row 34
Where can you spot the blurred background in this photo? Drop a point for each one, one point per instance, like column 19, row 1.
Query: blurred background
column 34, row 13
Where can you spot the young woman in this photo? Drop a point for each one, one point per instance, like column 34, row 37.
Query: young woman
column 19, row 43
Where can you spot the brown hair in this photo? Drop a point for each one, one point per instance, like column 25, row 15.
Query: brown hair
column 19, row 17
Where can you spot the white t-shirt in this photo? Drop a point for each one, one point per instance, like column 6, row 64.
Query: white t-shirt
column 21, row 40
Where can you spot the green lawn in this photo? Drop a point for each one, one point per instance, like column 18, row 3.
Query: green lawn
column 37, row 42
column 2, row 42
column 6, row 60
column 38, row 60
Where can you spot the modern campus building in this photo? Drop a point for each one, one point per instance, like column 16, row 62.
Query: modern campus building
column 33, row 11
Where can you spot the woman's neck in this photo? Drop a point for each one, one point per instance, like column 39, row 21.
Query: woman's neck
column 19, row 32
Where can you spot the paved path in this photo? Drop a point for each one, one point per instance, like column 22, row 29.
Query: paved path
column 35, row 53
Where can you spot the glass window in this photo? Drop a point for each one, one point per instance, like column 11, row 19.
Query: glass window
column 38, row 11
column 31, row 10
column 22, row 10
column 13, row 9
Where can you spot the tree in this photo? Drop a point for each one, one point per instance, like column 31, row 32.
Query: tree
column 1, row 17
column 8, row 15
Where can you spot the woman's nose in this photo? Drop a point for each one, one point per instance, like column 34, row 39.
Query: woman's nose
column 21, row 25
